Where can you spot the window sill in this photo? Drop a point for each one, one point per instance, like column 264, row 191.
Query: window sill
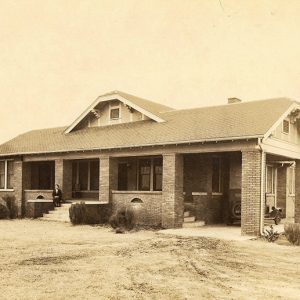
column 217, row 194
column 137, row 192
column 7, row 190
column 37, row 191
column 199, row 194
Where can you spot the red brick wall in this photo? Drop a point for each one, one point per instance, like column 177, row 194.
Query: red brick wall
column 149, row 212
column 172, row 205
column 251, row 192
column 108, row 178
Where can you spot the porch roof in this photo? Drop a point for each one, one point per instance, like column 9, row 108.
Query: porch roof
column 225, row 122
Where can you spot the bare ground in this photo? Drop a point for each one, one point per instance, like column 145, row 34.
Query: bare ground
column 48, row 260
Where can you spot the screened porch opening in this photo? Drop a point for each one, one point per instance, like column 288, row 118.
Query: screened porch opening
column 85, row 179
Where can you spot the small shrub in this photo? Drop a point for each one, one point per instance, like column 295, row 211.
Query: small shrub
column 4, row 211
column 292, row 233
column 271, row 235
column 77, row 213
column 11, row 205
column 123, row 219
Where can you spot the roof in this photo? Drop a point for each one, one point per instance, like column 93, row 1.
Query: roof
column 225, row 122
column 151, row 109
column 151, row 106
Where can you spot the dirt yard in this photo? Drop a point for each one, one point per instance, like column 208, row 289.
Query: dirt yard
column 48, row 260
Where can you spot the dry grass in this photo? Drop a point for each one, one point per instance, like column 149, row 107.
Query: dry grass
column 47, row 260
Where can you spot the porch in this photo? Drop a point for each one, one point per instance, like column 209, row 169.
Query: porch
column 231, row 187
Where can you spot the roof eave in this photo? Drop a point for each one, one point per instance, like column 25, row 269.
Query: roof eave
column 224, row 139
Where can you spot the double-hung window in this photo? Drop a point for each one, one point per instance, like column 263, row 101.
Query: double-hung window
column 6, row 174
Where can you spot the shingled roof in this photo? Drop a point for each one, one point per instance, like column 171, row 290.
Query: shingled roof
column 224, row 122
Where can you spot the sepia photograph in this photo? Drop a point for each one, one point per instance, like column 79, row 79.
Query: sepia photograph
column 149, row 149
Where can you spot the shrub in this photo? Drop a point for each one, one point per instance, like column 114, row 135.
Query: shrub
column 271, row 235
column 123, row 219
column 292, row 233
column 77, row 213
column 4, row 211
column 11, row 205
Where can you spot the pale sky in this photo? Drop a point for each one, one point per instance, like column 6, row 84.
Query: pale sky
column 57, row 56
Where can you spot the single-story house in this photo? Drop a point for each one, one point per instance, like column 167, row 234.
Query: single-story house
column 124, row 150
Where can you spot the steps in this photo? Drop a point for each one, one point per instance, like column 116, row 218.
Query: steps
column 190, row 221
column 59, row 214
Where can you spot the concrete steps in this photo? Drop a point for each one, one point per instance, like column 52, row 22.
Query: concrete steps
column 189, row 221
column 59, row 214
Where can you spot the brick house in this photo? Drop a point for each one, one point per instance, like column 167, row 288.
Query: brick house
column 124, row 150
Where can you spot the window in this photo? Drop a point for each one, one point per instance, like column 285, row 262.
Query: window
column 286, row 126
column 42, row 175
column 270, row 180
column 114, row 113
column 141, row 174
column 157, row 180
column 216, row 175
column 144, row 174
column 6, row 174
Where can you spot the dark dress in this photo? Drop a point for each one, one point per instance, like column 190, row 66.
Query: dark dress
column 57, row 196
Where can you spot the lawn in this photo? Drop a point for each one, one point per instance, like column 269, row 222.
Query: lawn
column 48, row 260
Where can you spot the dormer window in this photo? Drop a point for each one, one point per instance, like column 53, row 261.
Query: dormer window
column 286, row 126
column 115, row 113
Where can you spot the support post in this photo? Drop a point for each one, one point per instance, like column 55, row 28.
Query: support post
column 253, row 164
column 108, row 178
column 172, row 205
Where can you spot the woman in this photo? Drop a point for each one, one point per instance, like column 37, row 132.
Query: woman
column 57, row 196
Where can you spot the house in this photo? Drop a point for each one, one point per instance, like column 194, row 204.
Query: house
column 124, row 150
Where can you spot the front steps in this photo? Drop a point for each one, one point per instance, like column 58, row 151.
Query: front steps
column 189, row 221
column 59, row 214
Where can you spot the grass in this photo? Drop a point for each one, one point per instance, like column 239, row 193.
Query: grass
column 48, row 260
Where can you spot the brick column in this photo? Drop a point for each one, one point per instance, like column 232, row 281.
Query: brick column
column 297, row 192
column 172, row 196
column 59, row 167
column 251, row 192
column 63, row 177
column 108, row 177
column 18, row 186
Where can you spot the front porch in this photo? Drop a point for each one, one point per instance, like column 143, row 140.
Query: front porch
column 215, row 187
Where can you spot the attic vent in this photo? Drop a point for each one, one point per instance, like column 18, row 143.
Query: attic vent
column 286, row 126
column 234, row 100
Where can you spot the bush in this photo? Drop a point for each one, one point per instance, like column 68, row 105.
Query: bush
column 11, row 205
column 271, row 235
column 77, row 213
column 292, row 233
column 4, row 211
column 123, row 219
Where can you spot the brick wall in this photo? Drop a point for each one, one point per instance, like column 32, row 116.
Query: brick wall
column 297, row 192
column 18, row 186
column 172, row 204
column 149, row 212
column 63, row 177
column 251, row 192
column 108, row 178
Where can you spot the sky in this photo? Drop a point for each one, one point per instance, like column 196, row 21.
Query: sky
column 57, row 56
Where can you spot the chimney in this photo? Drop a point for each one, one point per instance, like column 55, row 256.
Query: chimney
column 234, row 100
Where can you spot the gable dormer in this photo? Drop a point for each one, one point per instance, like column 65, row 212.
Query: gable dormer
column 116, row 108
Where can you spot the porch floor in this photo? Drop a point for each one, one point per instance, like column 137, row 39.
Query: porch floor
column 223, row 232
